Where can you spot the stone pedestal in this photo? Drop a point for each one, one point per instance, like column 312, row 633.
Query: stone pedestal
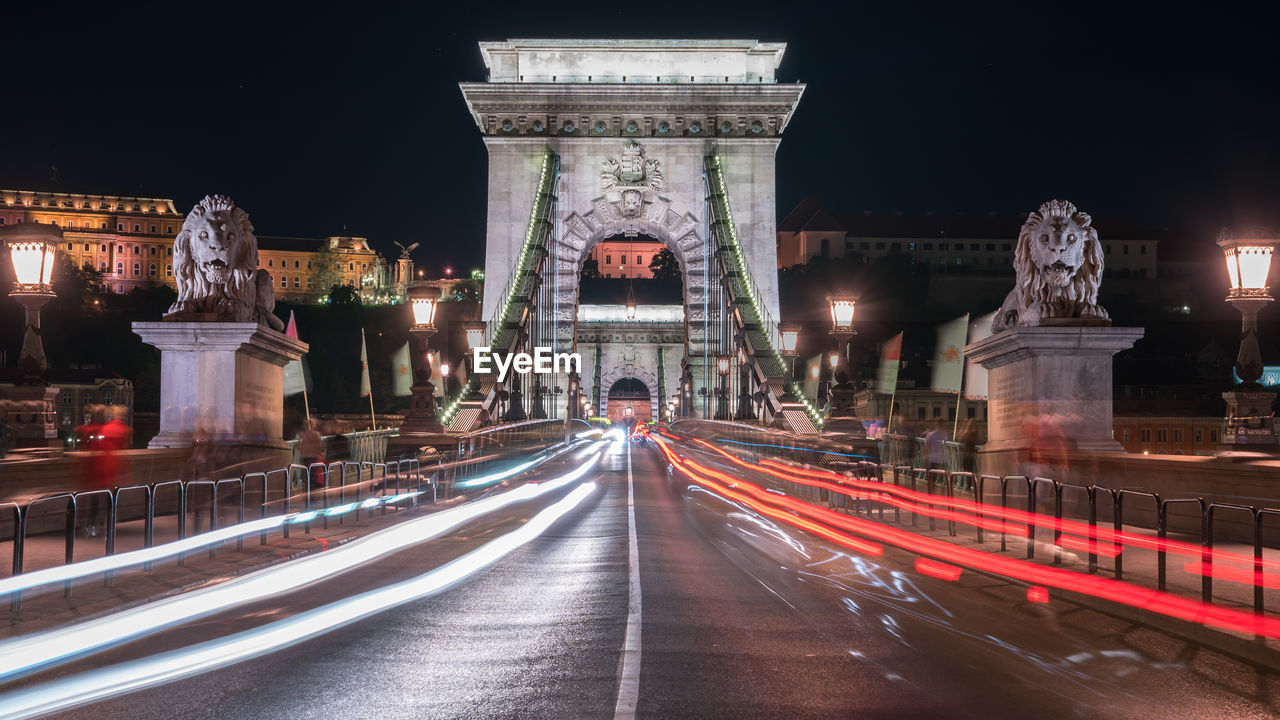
column 228, row 377
column 1051, row 384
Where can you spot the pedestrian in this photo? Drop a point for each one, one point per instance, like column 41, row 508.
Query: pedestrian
column 935, row 447
column 311, row 453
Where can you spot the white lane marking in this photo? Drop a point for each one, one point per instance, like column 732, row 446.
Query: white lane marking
column 629, row 684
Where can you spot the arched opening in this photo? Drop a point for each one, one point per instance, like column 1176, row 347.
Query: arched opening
column 629, row 402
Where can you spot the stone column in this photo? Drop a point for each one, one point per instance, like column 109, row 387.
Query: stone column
column 1052, row 383
column 228, row 376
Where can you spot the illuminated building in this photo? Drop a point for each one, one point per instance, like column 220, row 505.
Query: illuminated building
column 626, row 258
column 130, row 241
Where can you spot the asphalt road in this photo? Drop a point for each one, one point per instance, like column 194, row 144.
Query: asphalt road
column 740, row 618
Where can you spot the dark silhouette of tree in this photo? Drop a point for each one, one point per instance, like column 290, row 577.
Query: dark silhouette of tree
column 591, row 269
column 664, row 265
column 344, row 295
column 463, row 291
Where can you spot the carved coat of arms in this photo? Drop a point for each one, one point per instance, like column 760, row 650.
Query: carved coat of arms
column 630, row 175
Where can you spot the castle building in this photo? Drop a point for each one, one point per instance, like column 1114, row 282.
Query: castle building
column 626, row 258
column 130, row 241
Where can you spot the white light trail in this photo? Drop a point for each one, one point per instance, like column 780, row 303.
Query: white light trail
column 74, row 571
column 23, row 655
column 158, row 669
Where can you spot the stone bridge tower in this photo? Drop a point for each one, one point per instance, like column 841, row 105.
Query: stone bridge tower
column 596, row 139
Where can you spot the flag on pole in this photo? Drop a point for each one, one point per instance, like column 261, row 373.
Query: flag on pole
column 975, row 376
column 948, row 355
column 436, row 378
column 890, row 359
column 403, row 375
column 296, row 377
column 364, row 368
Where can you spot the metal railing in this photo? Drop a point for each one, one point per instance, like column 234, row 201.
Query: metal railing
column 361, row 446
column 220, row 502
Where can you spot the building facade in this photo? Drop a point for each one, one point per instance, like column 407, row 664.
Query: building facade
column 981, row 244
column 130, row 241
column 626, row 258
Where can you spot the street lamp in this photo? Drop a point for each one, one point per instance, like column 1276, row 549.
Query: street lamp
column 631, row 301
column 421, row 418
column 723, row 363
column 31, row 251
column 843, row 390
column 1249, row 404
column 790, row 334
column 475, row 333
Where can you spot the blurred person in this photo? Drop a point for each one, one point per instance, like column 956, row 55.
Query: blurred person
column 110, row 437
column 969, row 437
column 200, row 466
column 310, row 452
column 935, row 451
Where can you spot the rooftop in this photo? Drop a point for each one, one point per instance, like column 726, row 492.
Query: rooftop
column 614, row 61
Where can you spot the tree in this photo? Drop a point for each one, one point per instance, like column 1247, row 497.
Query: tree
column 463, row 291
column 591, row 269
column 344, row 295
column 664, row 265
column 326, row 272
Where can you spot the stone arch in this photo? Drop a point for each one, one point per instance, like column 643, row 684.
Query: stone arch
column 676, row 228
column 623, row 372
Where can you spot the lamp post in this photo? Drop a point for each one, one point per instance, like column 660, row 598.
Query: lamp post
column 32, row 253
column 421, row 418
column 1248, row 424
column 744, row 411
column 32, row 249
column 842, row 418
column 631, row 301
column 722, row 393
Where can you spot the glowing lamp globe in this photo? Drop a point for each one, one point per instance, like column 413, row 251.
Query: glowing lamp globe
column 423, row 301
column 444, row 369
column 790, row 332
column 1248, row 258
column 722, row 364
column 33, row 263
column 842, row 307
column 833, row 359
column 475, row 333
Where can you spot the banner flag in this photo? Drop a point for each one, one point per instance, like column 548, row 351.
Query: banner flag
column 948, row 355
column 890, row 360
column 364, row 367
column 436, row 378
column 975, row 376
column 295, row 374
column 402, row 377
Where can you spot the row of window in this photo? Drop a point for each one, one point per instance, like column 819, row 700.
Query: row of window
column 1162, row 435
column 622, row 260
column 88, row 225
column 296, row 264
column 297, row 282
column 137, row 249
column 137, row 268
column 107, row 398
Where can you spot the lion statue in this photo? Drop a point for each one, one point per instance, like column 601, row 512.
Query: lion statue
column 215, row 262
column 1058, row 263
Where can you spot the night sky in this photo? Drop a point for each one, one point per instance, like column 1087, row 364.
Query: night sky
column 338, row 120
